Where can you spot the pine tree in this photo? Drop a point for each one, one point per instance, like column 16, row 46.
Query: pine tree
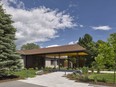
column 9, row 59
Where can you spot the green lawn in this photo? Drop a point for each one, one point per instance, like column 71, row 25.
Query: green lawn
column 108, row 78
column 25, row 73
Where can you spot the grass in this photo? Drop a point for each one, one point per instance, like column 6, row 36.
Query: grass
column 16, row 75
column 107, row 78
column 22, row 74
column 25, row 73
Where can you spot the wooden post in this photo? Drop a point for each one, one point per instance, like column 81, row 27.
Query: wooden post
column 26, row 61
column 77, row 61
column 59, row 62
column 54, row 62
column 26, row 66
column 68, row 62
column 44, row 61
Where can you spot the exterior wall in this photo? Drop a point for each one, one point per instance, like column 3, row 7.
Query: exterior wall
column 33, row 61
column 48, row 62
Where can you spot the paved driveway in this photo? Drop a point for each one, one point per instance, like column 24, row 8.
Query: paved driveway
column 56, row 80
column 18, row 84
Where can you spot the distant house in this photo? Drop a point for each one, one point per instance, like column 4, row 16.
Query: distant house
column 53, row 56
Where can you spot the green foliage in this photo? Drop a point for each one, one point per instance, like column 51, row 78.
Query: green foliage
column 77, row 77
column 106, row 53
column 88, row 43
column 99, row 60
column 25, row 73
column 9, row 59
column 48, row 69
column 73, row 76
column 112, row 42
column 107, row 78
column 73, row 60
column 85, row 70
column 84, row 78
column 95, row 79
column 105, row 57
column 29, row 46
column 85, row 40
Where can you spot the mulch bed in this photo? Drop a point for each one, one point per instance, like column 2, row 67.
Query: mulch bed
column 102, row 83
column 97, row 83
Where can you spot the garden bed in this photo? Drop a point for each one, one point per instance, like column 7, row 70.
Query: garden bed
column 99, row 79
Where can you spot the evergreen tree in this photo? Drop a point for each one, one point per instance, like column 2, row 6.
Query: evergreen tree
column 9, row 59
column 87, row 42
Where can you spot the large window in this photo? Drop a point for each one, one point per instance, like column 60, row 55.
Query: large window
column 52, row 62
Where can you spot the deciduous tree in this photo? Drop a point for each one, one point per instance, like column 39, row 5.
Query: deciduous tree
column 29, row 46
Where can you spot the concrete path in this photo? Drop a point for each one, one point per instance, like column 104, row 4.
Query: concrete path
column 18, row 84
column 56, row 80
column 103, row 71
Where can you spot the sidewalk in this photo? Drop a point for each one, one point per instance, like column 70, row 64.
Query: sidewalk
column 104, row 71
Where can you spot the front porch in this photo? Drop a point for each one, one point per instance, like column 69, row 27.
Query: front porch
column 62, row 60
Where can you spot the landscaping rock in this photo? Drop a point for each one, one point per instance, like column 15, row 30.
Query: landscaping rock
column 77, row 72
column 40, row 72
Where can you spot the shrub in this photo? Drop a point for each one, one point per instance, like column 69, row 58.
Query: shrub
column 95, row 79
column 48, row 69
column 92, row 69
column 84, row 78
column 72, row 76
column 85, row 70
column 36, row 68
column 103, row 80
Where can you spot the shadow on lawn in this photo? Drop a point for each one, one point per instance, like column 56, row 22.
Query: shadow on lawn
column 8, row 78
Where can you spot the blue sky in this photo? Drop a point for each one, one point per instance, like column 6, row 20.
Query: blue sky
column 95, row 17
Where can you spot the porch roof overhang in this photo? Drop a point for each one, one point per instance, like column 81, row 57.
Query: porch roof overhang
column 74, row 49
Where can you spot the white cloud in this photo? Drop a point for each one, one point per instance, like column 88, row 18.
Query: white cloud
column 101, row 27
column 53, row 45
column 73, row 42
column 37, row 25
column 81, row 25
column 73, row 4
column 17, row 3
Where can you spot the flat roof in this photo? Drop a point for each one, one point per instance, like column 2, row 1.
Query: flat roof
column 54, row 50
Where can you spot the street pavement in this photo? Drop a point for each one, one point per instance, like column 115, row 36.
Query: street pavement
column 18, row 84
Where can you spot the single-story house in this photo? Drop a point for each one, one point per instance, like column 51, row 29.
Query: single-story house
column 53, row 56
